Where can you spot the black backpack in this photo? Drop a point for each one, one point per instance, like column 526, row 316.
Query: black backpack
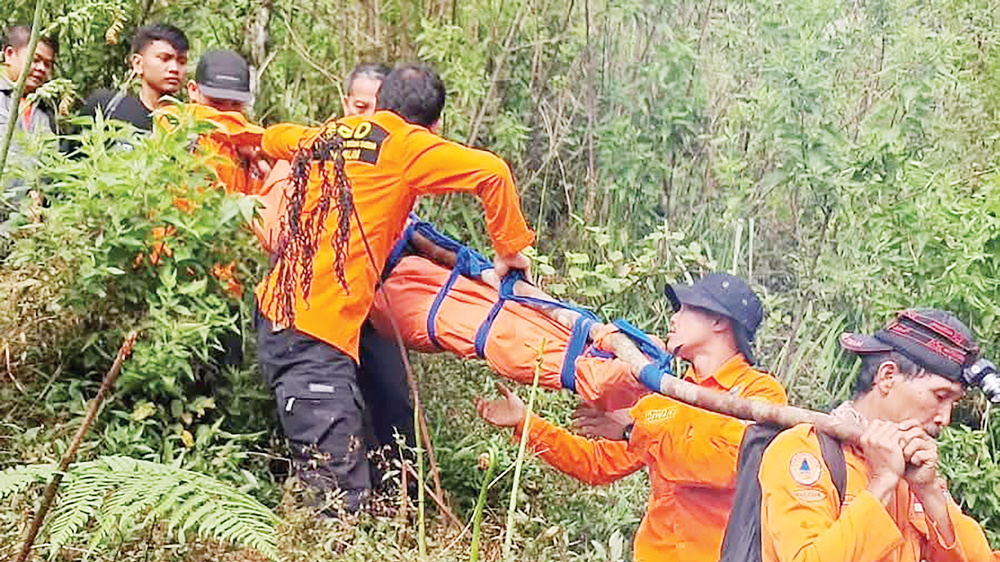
column 742, row 540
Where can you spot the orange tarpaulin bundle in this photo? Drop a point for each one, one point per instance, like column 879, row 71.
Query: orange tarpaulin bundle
column 458, row 322
column 512, row 340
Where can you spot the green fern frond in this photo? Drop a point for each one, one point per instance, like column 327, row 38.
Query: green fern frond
column 17, row 479
column 121, row 495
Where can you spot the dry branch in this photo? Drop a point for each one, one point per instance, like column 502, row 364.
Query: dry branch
column 70, row 455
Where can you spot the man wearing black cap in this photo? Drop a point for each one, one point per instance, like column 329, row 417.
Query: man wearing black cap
column 895, row 506
column 691, row 453
column 222, row 81
column 219, row 94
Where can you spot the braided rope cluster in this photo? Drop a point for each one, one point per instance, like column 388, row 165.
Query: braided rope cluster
column 301, row 230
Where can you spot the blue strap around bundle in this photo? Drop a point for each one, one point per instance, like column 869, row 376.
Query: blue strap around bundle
column 659, row 366
column 506, row 287
column 578, row 336
column 577, row 342
column 470, row 263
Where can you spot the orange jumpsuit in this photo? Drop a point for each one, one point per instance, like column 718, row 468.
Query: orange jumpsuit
column 411, row 161
column 691, row 455
column 802, row 520
column 232, row 130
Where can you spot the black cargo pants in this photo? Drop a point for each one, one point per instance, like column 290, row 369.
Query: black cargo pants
column 322, row 409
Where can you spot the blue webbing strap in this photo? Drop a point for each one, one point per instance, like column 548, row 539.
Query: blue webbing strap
column 577, row 342
column 506, row 287
column 397, row 251
column 436, row 305
column 578, row 336
column 650, row 375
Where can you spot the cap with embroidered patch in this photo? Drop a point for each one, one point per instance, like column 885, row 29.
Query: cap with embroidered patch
column 223, row 74
column 933, row 339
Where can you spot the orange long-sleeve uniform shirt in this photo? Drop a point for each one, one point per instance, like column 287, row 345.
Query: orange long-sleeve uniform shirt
column 232, row 130
column 390, row 164
column 802, row 519
column 691, row 455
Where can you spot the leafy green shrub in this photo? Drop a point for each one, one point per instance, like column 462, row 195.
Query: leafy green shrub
column 138, row 237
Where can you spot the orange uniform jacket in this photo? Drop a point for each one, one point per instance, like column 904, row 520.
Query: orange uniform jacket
column 232, row 131
column 691, row 455
column 801, row 517
column 394, row 162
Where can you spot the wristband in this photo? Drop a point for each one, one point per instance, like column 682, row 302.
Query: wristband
column 651, row 375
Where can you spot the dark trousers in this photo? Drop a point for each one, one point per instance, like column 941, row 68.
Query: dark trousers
column 321, row 406
column 385, row 390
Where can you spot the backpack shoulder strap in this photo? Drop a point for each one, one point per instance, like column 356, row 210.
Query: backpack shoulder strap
column 833, row 456
column 741, row 542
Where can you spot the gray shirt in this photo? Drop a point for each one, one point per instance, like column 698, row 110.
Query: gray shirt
column 40, row 123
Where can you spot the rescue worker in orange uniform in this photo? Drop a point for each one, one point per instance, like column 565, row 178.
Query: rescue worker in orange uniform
column 219, row 95
column 896, row 506
column 361, row 87
column 690, row 453
column 309, row 355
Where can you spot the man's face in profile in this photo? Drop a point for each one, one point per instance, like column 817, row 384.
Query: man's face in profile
column 361, row 99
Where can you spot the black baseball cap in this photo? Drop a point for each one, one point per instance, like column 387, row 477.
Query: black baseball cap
column 933, row 339
column 726, row 295
column 224, row 75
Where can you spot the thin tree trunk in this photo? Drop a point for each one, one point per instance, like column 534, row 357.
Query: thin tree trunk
column 70, row 455
column 15, row 98
column 256, row 43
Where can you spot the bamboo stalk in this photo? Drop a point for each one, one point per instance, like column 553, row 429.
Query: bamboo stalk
column 676, row 388
column 508, row 538
column 70, row 455
column 15, row 102
column 477, row 515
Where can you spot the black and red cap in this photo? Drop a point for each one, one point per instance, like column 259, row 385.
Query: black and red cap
column 933, row 339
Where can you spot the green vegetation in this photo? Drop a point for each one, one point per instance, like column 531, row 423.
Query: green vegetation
column 842, row 155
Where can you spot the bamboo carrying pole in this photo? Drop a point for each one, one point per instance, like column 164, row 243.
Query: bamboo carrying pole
column 672, row 387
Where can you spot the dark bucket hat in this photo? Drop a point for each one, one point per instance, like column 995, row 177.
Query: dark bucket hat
column 728, row 296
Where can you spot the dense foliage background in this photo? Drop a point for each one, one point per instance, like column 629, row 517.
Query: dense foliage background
column 840, row 154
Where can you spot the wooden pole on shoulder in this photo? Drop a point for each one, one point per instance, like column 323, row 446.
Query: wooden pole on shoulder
column 672, row 387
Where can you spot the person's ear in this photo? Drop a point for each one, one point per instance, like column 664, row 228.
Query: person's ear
column 192, row 89
column 136, row 61
column 9, row 54
column 886, row 376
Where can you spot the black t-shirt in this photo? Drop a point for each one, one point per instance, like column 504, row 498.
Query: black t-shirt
column 126, row 108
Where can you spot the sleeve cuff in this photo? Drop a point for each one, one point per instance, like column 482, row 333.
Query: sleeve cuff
column 536, row 426
column 882, row 529
column 508, row 247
